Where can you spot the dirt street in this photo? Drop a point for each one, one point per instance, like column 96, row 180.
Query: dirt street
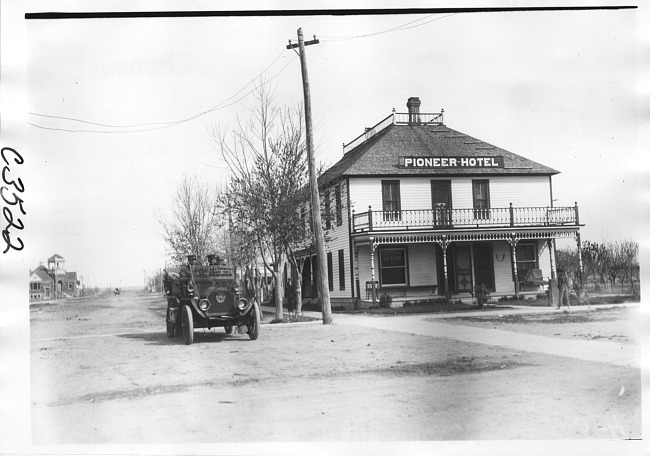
column 104, row 371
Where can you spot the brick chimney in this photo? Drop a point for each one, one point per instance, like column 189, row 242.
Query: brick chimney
column 413, row 105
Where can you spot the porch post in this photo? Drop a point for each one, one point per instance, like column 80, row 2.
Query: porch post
column 551, row 249
column 444, row 263
column 515, row 274
column 356, row 269
column 580, row 271
column 553, row 292
column 372, row 269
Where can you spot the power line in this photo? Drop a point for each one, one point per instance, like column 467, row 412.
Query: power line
column 398, row 28
column 161, row 125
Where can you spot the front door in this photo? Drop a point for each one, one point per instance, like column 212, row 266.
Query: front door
column 441, row 201
column 463, row 268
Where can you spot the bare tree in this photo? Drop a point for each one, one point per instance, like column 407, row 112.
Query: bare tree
column 194, row 223
column 265, row 156
column 624, row 260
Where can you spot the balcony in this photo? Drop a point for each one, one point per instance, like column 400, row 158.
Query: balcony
column 453, row 219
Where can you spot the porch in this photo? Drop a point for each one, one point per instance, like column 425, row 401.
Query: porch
column 425, row 265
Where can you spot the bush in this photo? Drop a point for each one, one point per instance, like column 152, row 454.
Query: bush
column 482, row 294
column 385, row 300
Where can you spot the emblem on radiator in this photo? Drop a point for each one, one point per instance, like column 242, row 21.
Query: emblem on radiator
column 220, row 297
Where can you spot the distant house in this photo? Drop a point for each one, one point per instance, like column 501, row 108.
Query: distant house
column 420, row 209
column 53, row 281
column 40, row 284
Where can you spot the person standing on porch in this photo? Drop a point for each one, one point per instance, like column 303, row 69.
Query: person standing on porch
column 563, row 287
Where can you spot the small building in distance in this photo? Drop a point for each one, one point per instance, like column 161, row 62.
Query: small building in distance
column 53, row 281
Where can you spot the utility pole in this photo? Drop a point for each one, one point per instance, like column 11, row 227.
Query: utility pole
column 313, row 182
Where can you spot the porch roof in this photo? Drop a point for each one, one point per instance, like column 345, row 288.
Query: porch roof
column 467, row 235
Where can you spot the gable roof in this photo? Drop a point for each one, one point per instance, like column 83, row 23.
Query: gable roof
column 55, row 257
column 40, row 275
column 379, row 155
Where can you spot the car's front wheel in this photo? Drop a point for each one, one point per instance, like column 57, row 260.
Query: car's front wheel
column 188, row 325
column 254, row 321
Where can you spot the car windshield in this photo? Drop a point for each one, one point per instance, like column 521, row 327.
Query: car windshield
column 213, row 271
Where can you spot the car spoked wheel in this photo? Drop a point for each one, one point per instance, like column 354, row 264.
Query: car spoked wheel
column 254, row 321
column 188, row 325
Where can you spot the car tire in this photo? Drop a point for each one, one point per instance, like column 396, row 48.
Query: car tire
column 188, row 325
column 228, row 329
column 254, row 321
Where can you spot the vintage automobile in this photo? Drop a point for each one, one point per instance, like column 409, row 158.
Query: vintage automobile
column 207, row 296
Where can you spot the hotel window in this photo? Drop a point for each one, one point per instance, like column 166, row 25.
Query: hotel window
column 328, row 213
column 339, row 205
column 303, row 219
column 391, row 201
column 481, row 194
column 526, row 259
column 341, row 270
column 392, row 266
column 330, row 271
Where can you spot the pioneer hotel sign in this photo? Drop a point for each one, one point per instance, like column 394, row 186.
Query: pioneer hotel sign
column 451, row 162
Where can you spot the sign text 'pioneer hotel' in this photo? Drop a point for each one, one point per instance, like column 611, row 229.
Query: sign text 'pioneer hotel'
column 451, row 162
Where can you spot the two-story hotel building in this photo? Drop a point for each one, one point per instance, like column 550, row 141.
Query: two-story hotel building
column 421, row 209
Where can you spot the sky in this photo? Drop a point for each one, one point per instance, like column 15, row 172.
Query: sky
column 559, row 88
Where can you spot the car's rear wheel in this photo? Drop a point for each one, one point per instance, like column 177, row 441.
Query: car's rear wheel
column 228, row 329
column 254, row 321
column 188, row 325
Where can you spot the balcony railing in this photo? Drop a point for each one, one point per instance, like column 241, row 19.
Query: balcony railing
column 398, row 118
column 446, row 219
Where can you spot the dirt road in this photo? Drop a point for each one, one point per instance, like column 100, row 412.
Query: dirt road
column 104, row 371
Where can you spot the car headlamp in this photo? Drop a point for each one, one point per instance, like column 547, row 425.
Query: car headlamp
column 241, row 304
column 190, row 286
column 204, row 304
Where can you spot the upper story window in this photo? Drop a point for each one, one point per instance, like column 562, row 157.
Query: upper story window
column 339, row 205
column 391, row 200
column 328, row 214
column 481, row 194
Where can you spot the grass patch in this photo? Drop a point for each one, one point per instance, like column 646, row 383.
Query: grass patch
column 607, row 314
column 418, row 307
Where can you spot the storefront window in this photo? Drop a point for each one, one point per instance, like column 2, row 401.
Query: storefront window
column 392, row 266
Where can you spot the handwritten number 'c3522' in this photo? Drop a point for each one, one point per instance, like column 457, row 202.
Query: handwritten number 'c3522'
column 9, row 192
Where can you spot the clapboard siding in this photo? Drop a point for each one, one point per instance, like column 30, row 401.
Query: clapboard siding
column 415, row 192
column 337, row 238
column 503, row 283
column 422, row 265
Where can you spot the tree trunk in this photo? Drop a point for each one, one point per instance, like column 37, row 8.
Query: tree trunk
column 278, row 293
column 298, row 292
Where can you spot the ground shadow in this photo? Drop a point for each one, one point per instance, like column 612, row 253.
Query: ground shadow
column 200, row 337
